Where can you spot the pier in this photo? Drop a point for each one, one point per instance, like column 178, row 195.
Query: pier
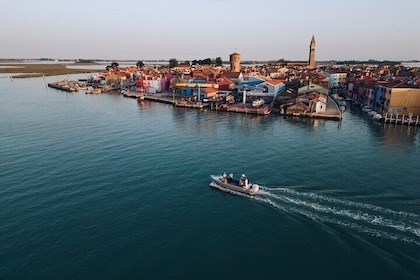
column 401, row 119
column 133, row 94
column 240, row 108
column 160, row 99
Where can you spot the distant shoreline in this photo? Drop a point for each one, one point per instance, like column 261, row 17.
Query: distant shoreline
column 38, row 70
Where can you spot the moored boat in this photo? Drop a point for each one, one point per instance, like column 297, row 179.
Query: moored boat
column 377, row 117
column 94, row 91
column 258, row 102
column 228, row 182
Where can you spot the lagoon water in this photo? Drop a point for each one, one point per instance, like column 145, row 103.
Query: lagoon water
column 101, row 187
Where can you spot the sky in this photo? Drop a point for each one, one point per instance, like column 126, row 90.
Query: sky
column 198, row 29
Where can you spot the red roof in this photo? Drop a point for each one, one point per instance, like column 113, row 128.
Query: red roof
column 210, row 90
column 225, row 81
column 275, row 82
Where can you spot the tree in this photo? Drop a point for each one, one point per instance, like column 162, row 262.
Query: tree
column 219, row 61
column 173, row 63
column 114, row 65
column 140, row 64
column 207, row 61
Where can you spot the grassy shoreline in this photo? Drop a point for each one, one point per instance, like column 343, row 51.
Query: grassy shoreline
column 39, row 70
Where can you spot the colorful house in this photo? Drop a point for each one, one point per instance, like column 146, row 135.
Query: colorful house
column 272, row 87
column 336, row 79
column 318, row 104
column 401, row 98
column 225, row 84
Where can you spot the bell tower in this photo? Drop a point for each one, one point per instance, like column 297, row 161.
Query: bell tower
column 235, row 62
column 311, row 63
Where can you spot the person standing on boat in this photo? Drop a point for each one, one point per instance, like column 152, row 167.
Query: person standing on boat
column 224, row 178
column 242, row 180
column 230, row 179
column 245, row 182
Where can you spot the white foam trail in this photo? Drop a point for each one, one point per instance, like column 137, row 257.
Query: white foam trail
column 366, row 218
column 344, row 202
column 343, row 223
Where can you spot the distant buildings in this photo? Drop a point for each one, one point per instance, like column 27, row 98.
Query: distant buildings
column 298, row 88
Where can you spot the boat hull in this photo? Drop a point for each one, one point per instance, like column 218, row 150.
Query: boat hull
column 251, row 190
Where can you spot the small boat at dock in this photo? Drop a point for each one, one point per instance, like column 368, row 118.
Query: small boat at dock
column 94, row 91
column 228, row 182
column 258, row 102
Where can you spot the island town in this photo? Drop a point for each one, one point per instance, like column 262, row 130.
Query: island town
column 387, row 91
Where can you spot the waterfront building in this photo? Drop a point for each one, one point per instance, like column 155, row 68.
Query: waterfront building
column 235, row 62
column 266, row 90
column 318, row 103
column 400, row 98
column 225, row 84
column 311, row 63
column 272, row 87
column 149, row 84
column 209, row 92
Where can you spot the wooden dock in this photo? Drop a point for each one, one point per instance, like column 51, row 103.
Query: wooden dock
column 133, row 94
column 240, row 108
column 161, row 99
column 192, row 105
column 401, row 119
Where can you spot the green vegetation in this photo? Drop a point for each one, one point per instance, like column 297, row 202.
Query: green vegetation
column 208, row 61
column 218, row 61
column 173, row 63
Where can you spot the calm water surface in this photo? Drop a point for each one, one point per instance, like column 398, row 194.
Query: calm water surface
column 101, row 187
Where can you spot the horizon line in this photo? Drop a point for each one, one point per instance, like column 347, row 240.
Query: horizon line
column 247, row 60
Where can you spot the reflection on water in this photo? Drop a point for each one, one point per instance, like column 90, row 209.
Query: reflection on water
column 396, row 133
column 386, row 133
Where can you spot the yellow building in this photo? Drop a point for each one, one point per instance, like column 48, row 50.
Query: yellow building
column 402, row 100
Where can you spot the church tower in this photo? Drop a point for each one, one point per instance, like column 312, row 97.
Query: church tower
column 311, row 63
column 235, row 62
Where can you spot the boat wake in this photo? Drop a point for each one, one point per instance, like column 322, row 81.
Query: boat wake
column 361, row 217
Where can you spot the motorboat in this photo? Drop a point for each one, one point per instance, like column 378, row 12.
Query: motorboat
column 367, row 109
column 377, row 117
column 94, row 91
column 228, row 182
column 258, row 102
